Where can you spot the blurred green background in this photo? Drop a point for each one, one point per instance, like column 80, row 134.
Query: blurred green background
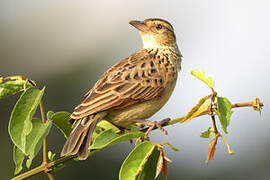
column 67, row 45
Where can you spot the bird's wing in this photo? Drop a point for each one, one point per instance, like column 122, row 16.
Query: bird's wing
column 135, row 79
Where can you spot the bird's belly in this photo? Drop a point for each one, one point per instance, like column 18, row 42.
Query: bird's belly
column 140, row 111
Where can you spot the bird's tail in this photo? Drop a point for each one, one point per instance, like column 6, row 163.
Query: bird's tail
column 79, row 139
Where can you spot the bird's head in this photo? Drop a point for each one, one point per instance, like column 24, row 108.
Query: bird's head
column 155, row 33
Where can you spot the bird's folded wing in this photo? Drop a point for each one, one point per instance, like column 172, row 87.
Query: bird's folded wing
column 133, row 80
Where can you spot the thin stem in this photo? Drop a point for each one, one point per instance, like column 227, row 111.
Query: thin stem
column 45, row 139
column 50, row 176
column 45, row 157
column 214, row 124
column 176, row 120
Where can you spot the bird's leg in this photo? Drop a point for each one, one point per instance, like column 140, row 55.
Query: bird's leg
column 154, row 125
column 122, row 130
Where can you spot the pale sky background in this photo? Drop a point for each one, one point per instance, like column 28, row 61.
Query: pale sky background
column 67, row 45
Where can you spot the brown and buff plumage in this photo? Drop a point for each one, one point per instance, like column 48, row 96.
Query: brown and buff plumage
column 133, row 89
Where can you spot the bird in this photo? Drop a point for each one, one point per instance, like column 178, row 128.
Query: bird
column 130, row 91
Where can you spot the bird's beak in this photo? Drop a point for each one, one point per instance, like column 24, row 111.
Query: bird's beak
column 139, row 25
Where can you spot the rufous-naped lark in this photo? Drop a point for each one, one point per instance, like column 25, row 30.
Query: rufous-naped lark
column 130, row 91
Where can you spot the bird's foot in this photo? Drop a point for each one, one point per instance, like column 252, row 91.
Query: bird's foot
column 154, row 125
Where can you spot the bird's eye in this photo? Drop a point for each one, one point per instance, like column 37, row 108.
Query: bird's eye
column 159, row 26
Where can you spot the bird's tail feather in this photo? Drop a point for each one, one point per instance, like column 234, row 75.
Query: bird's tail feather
column 79, row 139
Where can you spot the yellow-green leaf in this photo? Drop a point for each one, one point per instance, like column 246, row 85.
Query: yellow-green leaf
column 12, row 87
column 51, row 155
column 197, row 110
column 200, row 74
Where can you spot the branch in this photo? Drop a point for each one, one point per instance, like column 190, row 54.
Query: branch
column 165, row 122
column 42, row 167
column 246, row 104
column 180, row 119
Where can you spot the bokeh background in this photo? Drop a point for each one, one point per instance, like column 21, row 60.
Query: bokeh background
column 66, row 45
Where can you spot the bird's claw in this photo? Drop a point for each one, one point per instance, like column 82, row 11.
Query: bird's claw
column 154, row 125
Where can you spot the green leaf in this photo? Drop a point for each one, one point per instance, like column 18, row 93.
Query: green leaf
column 33, row 144
column 107, row 125
column 60, row 120
column 18, row 157
column 134, row 163
column 134, row 128
column 208, row 133
column 224, row 108
column 200, row 74
column 12, row 87
column 20, row 124
column 149, row 169
column 97, row 131
column 103, row 139
column 108, row 138
column 50, row 114
column 35, row 138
